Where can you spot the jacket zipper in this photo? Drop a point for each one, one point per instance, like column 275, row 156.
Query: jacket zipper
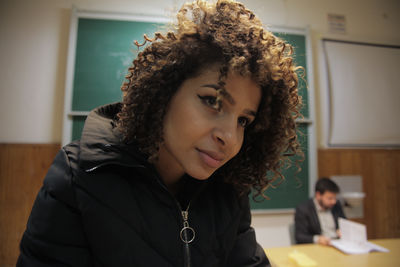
column 187, row 234
column 183, row 234
column 186, row 239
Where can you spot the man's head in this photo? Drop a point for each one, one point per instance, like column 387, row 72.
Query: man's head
column 325, row 193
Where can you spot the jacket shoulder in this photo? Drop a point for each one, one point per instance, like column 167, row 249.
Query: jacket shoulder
column 306, row 205
column 58, row 180
column 337, row 210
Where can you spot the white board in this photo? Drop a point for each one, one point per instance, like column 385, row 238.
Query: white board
column 364, row 94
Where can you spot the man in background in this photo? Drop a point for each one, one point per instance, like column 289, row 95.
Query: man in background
column 316, row 220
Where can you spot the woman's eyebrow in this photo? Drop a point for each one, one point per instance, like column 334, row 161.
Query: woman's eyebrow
column 215, row 86
column 227, row 96
column 250, row 112
column 221, row 91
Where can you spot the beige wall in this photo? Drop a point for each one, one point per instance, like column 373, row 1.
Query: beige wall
column 33, row 51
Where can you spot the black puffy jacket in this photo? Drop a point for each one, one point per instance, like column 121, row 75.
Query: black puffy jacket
column 102, row 204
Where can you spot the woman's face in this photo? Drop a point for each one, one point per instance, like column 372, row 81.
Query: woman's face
column 199, row 135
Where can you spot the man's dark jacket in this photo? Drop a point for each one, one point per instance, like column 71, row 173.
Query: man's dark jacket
column 102, row 204
column 307, row 223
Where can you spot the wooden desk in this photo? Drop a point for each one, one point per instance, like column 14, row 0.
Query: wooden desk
column 331, row 257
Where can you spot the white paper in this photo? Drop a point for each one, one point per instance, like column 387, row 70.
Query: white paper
column 354, row 239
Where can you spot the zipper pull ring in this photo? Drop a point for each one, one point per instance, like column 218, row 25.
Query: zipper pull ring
column 187, row 233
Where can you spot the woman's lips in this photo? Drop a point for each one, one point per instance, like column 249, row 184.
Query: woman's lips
column 210, row 158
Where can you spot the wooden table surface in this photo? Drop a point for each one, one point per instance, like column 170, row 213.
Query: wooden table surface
column 331, row 257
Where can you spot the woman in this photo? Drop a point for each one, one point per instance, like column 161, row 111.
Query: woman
column 162, row 179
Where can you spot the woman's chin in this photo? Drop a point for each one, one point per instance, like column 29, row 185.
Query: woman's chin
column 201, row 174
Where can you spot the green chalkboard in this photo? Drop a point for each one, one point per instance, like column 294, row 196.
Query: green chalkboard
column 293, row 189
column 299, row 44
column 104, row 51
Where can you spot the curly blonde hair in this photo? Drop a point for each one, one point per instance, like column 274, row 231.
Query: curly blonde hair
column 226, row 33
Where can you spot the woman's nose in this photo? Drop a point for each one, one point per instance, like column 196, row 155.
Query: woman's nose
column 225, row 133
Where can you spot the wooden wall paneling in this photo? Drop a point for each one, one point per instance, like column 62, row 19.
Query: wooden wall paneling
column 387, row 194
column 327, row 163
column 396, row 192
column 22, row 169
column 380, row 205
column 380, row 170
column 370, row 191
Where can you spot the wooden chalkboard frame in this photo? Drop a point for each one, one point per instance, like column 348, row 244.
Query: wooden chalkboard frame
column 70, row 114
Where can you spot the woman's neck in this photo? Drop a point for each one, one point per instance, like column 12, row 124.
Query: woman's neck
column 170, row 172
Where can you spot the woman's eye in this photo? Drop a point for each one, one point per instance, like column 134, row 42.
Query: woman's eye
column 243, row 121
column 210, row 101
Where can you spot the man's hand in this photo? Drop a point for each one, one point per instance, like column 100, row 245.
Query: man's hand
column 323, row 240
column 339, row 233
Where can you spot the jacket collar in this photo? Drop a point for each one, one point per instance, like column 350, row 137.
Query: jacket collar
column 101, row 145
column 101, row 142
